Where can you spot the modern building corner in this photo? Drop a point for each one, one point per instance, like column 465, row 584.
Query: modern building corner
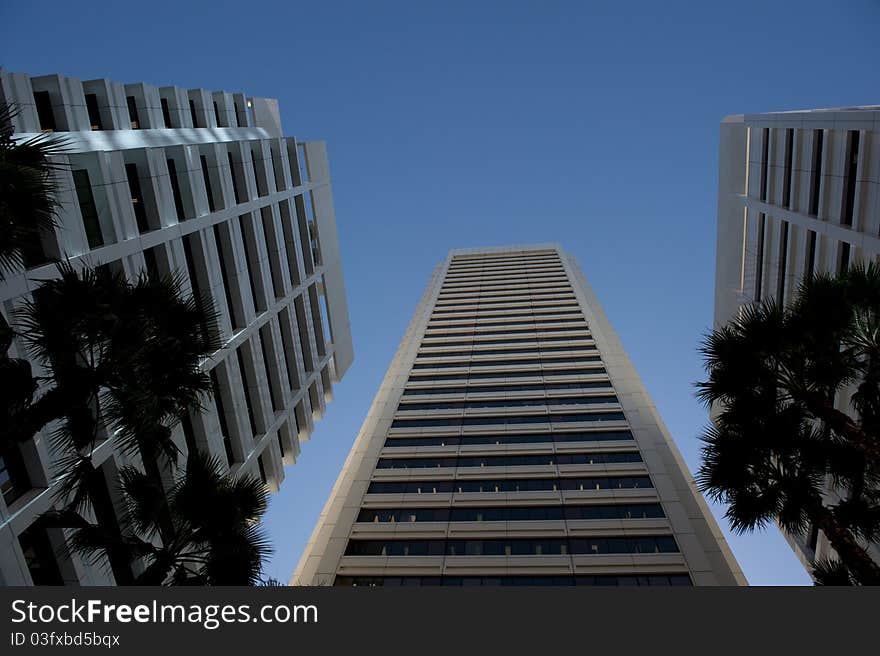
column 798, row 194
column 512, row 442
column 204, row 185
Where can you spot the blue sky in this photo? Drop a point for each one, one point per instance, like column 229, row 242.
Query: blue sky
column 459, row 124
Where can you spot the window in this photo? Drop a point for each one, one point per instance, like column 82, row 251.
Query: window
column 505, row 388
column 248, row 389
column 175, row 190
column 217, row 121
column 852, row 166
column 287, row 343
column 458, row 581
column 252, row 260
column 221, row 414
column 192, row 248
column 45, row 113
column 224, row 254
column 816, row 179
column 304, row 343
column 14, row 479
column 471, row 341
column 512, row 546
column 811, row 253
column 40, row 557
column 137, row 198
column 843, row 259
column 271, row 371
column 765, row 148
column 207, row 178
column 260, row 465
column 537, row 373
column 539, row 438
column 87, row 208
column 93, row 111
column 269, row 236
column 508, row 403
column 234, row 174
column 166, row 113
column 259, row 175
column 189, row 434
column 133, row 112
column 787, row 171
column 192, row 113
column 499, row 363
column 759, row 272
column 509, row 460
column 507, row 420
column 783, row 263
column 152, row 263
column 580, row 484
column 508, row 351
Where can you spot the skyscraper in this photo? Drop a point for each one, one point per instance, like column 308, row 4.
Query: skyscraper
column 798, row 193
column 204, row 185
column 512, row 442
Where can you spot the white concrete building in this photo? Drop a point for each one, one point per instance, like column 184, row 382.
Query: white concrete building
column 512, row 443
column 798, row 192
column 205, row 184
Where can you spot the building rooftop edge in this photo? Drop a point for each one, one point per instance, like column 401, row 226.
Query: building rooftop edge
column 505, row 249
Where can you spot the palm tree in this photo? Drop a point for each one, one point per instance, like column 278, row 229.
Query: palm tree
column 28, row 208
column 28, row 205
column 777, row 439
column 213, row 537
column 122, row 359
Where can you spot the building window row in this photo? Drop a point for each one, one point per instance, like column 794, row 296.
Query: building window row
column 536, row 326
column 506, row 388
column 509, row 299
column 816, row 171
column 502, row 295
column 508, row 421
column 145, row 206
column 475, row 404
column 533, row 275
column 538, row 373
column 511, row 513
column 480, row 261
column 576, row 484
column 536, row 317
column 506, row 286
column 533, row 438
column 512, row 268
column 46, row 113
column 550, row 459
column 620, row 580
column 532, row 339
column 523, row 281
column 514, row 546
column 530, row 333
column 516, row 312
column 502, row 351
column 503, row 363
column 456, row 269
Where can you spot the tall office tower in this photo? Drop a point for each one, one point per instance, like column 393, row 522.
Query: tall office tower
column 798, row 193
column 203, row 184
column 512, row 443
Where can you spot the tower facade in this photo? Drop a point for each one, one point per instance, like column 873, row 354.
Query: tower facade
column 206, row 186
column 512, row 443
column 798, row 193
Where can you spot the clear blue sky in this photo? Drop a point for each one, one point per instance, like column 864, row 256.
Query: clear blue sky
column 459, row 124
